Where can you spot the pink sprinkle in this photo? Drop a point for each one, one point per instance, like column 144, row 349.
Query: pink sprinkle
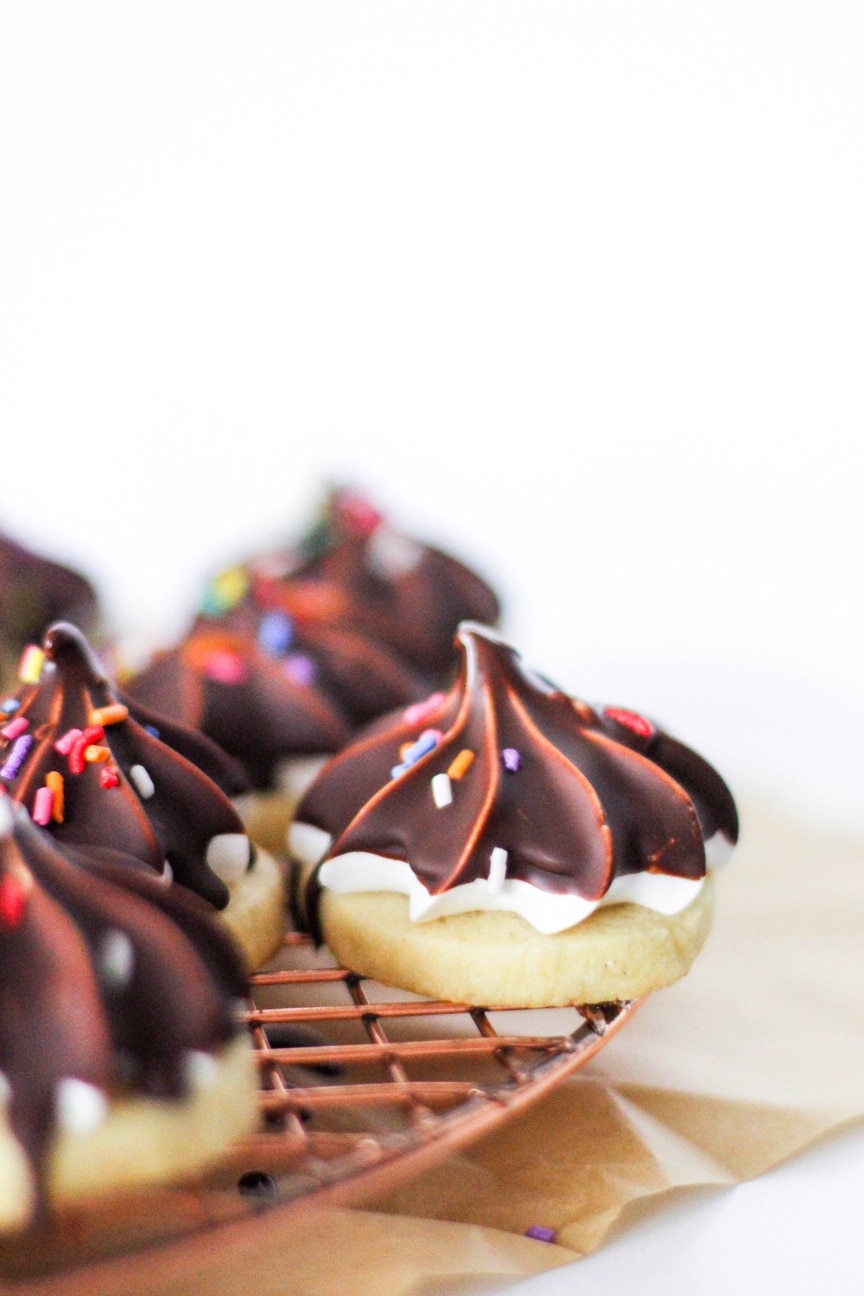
column 65, row 744
column 15, row 727
column 43, row 804
column 431, row 733
column 224, row 668
column 421, row 711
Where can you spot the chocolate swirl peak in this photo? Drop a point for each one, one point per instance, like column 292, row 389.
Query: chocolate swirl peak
column 112, row 986
column 507, row 793
column 109, row 785
column 367, row 577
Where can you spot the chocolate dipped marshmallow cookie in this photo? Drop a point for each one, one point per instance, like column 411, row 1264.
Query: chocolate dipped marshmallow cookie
column 112, row 782
column 504, row 843
column 122, row 1061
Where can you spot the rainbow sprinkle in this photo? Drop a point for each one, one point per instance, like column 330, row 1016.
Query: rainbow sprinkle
column 442, row 790
column 15, row 759
column 144, row 784
column 497, row 868
column 275, row 633
column 54, row 780
column 225, row 592
column 421, row 711
column 65, row 744
column 15, row 728
column 30, row 665
column 109, row 715
column 43, row 806
column 461, row 764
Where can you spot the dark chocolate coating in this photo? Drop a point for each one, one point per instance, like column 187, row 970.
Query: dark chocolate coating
column 590, row 800
column 117, row 824
column 414, row 611
column 64, row 1015
column 367, row 638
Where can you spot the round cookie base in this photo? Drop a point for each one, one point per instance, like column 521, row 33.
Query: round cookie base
column 621, row 952
column 256, row 913
column 142, row 1140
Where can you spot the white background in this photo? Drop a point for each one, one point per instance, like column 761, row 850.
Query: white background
column 576, row 289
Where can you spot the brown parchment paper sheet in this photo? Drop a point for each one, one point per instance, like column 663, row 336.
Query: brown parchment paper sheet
column 756, row 1054
column 750, row 1059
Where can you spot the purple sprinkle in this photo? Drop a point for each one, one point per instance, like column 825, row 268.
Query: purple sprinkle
column 300, row 669
column 540, row 1233
column 152, row 730
column 10, row 705
column 16, row 756
column 511, row 758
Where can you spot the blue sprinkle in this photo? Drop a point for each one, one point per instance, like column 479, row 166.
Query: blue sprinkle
column 275, row 633
column 420, row 748
column 152, row 730
column 10, row 705
column 398, row 770
column 540, row 1233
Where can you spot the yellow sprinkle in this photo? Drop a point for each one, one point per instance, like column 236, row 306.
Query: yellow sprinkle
column 109, row 715
column 54, row 780
column 30, row 665
column 230, row 586
column 96, row 755
column 461, row 764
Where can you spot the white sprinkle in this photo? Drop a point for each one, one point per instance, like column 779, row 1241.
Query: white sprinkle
column 5, row 1089
column 143, row 782
column 167, row 874
column 497, row 868
column 228, row 856
column 200, row 1069
column 81, row 1107
column 442, row 790
column 6, row 821
column 391, row 554
column 116, row 958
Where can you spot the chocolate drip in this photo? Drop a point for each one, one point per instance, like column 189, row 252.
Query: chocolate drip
column 572, row 804
column 159, row 805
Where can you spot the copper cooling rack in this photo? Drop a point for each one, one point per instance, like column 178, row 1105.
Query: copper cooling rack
column 361, row 1086
column 396, row 1081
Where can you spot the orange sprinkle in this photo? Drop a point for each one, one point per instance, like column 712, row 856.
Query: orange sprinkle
column 109, row 715
column 461, row 764
column 405, row 748
column 96, row 755
column 54, row 780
